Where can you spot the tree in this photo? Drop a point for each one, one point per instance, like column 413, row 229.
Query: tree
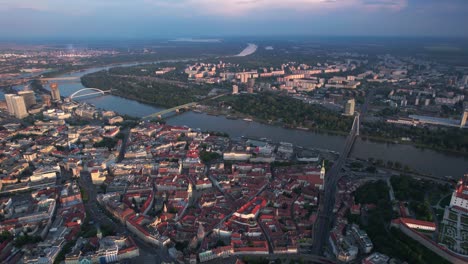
column 207, row 157
column 5, row 235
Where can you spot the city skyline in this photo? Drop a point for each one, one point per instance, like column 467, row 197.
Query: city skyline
column 190, row 18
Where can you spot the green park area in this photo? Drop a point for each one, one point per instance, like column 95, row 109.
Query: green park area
column 388, row 240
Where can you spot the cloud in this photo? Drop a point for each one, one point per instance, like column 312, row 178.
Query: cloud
column 245, row 7
column 67, row 7
column 394, row 5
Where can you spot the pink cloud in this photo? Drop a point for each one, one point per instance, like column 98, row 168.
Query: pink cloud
column 393, row 5
column 247, row 7
column 231, row 8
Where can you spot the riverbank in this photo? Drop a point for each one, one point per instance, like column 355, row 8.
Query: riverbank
column 236, row 115
column 146, row 90
column 241, row 116
column 410, row 143
column 427, row 161
column 82, row 68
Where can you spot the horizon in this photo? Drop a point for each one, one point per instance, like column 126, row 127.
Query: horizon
column 234, row 38
column 162, row 19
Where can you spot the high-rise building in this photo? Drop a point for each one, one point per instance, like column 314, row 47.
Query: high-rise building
column 46, row 100
column 465, row 80
column 29, row 98
column 20, row 107
column 16, row 105
column 9, row 102
column 55, row 92
column 235, row 89
column 251, row 83
column 349, row 107
column 244, row 77
column 464, row 118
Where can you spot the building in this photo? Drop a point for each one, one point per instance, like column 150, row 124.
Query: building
column 55, row 92
column 464, row 118
column 365, row 244
column 46, row 100
column 343, row 249
column 414, row 224
column 349, row 107
column 115, row 120
column 237, row 156
column 9, row 102
column 251, row 83
column 16, row 105
column 109, row 249
column 45, row 173
column 29, row 98
column 465, row 80
column 244, row 78
column 235, row 89
column 376, row 258
column 220, row 252
column 459, row 199
column 97, row 177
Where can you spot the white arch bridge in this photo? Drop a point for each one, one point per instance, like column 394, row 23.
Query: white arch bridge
column 93, row 91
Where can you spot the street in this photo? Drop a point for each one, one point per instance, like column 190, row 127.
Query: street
column 148, row 253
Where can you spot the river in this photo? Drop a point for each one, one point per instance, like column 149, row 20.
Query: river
column 251, row 49
column 424, row 160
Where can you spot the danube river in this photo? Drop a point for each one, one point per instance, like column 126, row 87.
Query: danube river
column 423, row 160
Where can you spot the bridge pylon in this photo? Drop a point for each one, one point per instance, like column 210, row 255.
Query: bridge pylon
column 358, row 122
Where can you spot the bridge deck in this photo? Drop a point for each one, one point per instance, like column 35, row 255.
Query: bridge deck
column 167, row 111
column 71, row 78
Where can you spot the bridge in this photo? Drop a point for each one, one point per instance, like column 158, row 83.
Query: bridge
column 71, row 78
column 160, row 114
column 324, row 219
column 95, row 91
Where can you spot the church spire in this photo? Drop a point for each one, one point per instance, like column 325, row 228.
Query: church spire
column 322, row 170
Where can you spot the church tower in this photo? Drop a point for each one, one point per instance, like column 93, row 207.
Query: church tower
column 99, row 233
column 200, row 232
column 322, row 171
column 190, row 190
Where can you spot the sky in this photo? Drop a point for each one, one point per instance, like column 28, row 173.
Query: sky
column 29, row 19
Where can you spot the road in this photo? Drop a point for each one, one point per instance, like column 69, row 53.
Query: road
column 325, row 216
column 307, row 258
column 151, row 78
column 96, row 214
column 327, row 202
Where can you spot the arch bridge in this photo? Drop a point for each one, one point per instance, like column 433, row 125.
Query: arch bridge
column 93, row 91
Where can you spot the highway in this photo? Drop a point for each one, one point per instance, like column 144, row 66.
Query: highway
column 327, row 202
column 325, row 213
